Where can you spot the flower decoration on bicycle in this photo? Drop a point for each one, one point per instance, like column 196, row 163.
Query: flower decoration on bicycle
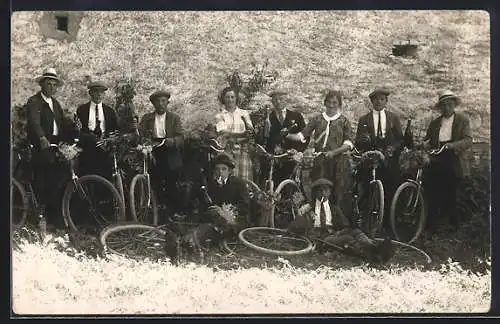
column 412, row 160
column 372, row 158
column 68, row 152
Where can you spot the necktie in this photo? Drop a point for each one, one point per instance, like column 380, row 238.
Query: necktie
column 322, row 215
column 98, row 129
column 379, row 129
column 280, row 117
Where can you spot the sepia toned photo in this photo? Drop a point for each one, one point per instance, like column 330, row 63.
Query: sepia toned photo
column 250, row 162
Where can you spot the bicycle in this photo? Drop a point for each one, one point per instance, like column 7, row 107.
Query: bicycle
column 78, row 194
column 408, row 209
column 274, row 241
column 112, row 144
column 143, row 241
column 142, row 197
column 371, row 221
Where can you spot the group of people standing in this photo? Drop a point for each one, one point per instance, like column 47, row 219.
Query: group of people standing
column 329, row 131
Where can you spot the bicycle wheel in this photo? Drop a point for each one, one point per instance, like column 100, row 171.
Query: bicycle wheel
column 275, row 241
column 407, row 255
column 285, row 209
column 407, row 213
column 137, row 241
column 143, row 205
column 93, row 203
column 20, row 205
column 375, row 213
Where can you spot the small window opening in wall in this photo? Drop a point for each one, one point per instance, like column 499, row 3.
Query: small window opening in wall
column 62, row 23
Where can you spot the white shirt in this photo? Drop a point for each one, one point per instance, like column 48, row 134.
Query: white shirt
column 100, row 112
column 160, row 130
column 51, row 105
column 317, row 213
column 376, row 115
column 231, row 121
column 282, row 112
column 446, row 127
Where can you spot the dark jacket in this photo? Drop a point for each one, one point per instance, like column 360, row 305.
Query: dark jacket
column 461, row 139
column 393, row 135
column 173, row 129
column 41, row 119
column 234, row 192
column 110, row 117
column 274, row 133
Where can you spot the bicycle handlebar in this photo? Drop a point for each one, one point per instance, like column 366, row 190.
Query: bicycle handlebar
column 437, row 151
column 273, row 156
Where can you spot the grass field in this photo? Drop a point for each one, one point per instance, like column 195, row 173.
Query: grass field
column 46, row 280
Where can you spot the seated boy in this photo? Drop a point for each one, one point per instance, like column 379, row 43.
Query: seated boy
column 226, row 207
column 324, row 220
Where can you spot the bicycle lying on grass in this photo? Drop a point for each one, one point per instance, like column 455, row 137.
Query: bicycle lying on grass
column 279, row 242
column 140, row 241
column 408, row 209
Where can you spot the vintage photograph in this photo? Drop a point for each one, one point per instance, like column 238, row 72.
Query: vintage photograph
column 250, row 162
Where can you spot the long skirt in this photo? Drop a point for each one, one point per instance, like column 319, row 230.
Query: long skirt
column 239, row 150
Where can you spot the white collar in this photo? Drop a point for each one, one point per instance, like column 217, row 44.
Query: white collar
column 96, row 104
column 378, row 112
column 160, row 115
column 334, row 117
column 448, row 118
column 231, row 112
column 47, row 99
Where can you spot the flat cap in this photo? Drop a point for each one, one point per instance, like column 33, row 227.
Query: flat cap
column 97, row 85
column 279, row 92
column 380, row 90
column 223, row 158
column 321, row 182
column 160, row 93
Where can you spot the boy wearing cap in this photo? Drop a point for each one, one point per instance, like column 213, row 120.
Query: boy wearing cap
column 159, row 125
column 98, row 120
column 448, row 169
column 223, row 188
column 323, row 219
column 47, row 125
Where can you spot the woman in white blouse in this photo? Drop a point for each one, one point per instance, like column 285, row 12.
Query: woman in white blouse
column 234, row 126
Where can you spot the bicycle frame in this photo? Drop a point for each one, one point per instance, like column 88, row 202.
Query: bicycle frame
column 117, row 177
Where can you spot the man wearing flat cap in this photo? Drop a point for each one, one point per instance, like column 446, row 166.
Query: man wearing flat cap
column 283, row 122
column 164, row 125
column 98, row 120
column 448, row 169
column 380, row 130
column 47, row 125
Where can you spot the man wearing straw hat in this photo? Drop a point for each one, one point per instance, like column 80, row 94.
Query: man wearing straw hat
column 448, row 169
column 47, row 125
